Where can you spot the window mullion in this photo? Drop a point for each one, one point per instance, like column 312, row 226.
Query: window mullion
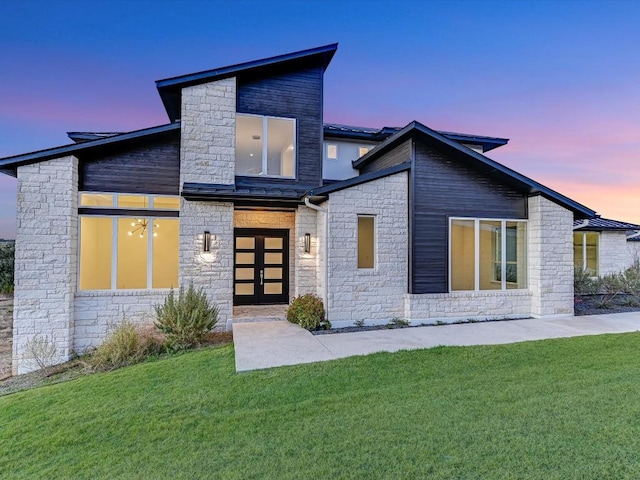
column 476, row 233
column 503, row 254
column 150, row 254
column 114, row 253
column 584, row 251
column 265, row 140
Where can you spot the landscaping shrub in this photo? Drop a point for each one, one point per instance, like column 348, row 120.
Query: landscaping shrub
column 308, row 312
column 584, row 283
column 7, row 262
column 610, row 285
column 187, row 319
column 126, row 345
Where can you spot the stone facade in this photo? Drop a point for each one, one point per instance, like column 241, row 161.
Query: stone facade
column 208, row 133
column 306, row 264
column 365, row 294
column 461, row 306
column 6, row 334
column 614, row 253
column 46, row 258
column 97, row 313
column 213, row 271
column 550, row 258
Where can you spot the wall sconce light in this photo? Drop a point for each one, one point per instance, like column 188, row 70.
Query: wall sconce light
column 307, row 242
column 206, row 241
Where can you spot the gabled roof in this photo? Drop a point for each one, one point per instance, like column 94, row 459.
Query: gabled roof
column 599, row 224
column 476, row 160
column 170, row 88
column 337, row 130
column 10, row 164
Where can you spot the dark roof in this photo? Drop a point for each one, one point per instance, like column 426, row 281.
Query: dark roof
column 633, row 236
column 337, row 130
column 364, row 178
column 476, row 160
column 80, row 137
column 219, row 192
column 10, row 164
column 170, row 88
column 601, row 224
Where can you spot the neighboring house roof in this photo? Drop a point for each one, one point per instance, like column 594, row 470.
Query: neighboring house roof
column 633, row 236
column 600, row 224
column 170, row 88
column 337, row 130
column 474, row 159
column 360, row 179
column 10, row 164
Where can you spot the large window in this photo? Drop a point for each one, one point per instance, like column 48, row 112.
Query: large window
column 585, row 251
column 126, row 252
column 265, row 146
column 366, row 241
column 487, row 254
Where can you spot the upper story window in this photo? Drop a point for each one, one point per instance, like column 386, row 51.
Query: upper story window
column 129, row 201
column 585, row 251
column 363, row 150
column 332, row 151
column 265, row 146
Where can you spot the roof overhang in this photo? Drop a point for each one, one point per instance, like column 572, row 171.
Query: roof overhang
column 170, row 88
column 9, row 165
column 417, row 131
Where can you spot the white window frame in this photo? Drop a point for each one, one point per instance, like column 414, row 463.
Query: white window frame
column 584, row 251
column 265, row 146
column 117, row 195
column 503, row 255
column 366, row 147
column 375, row 242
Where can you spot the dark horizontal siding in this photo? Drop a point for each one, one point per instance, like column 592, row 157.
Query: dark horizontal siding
column 446, row 187
column 400, row 154
column 296, row 94
column 152, row 167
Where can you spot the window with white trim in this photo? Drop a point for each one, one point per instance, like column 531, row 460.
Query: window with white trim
column 486, row 254
column 332, row 151
column 265, row 146
column 119, row 252
column 585, row 251
column 363, row 150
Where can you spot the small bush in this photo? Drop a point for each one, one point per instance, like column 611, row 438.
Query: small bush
column 308, row 312
column 7, row 266
column 127, row 345
column 187, row 319
column 610, row 285
column 584, row 283
column 42, row 352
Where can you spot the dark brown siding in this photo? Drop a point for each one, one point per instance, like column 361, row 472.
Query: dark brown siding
column 443, row 188
column 400, row 154
column 295, row 95
column 152, row 167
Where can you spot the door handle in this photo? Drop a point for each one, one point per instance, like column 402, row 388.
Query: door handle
column 261, row 276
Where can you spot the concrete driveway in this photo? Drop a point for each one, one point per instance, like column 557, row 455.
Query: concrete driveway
column 272, row 344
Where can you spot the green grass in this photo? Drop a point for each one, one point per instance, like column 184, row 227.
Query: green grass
column 555, row 409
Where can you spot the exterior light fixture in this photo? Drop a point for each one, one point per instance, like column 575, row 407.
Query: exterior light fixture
column 206, row 241
column 307, row 242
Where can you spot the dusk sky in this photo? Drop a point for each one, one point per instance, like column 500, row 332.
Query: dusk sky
column 560, row 79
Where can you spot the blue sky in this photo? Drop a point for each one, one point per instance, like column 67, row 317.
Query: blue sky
column 561, row 80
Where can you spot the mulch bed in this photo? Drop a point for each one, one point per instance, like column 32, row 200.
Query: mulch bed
column 592, row 305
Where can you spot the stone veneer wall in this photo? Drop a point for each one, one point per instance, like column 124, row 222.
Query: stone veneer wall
column 6, row 334
column 208, row 133
column 46, row 258
column 363, row 294
column 306, row 264
column 550, row 258
column 482, row 305
column 212, row 271
column 98, row 312
column 614, row 255
column 271, row 219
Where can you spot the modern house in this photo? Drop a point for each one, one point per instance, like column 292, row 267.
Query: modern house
column 248, row 194
column 603, row 246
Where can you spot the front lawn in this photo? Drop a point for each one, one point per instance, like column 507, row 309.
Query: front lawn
column 555, row 409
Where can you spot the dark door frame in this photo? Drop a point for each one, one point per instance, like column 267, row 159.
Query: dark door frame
column 259, row 297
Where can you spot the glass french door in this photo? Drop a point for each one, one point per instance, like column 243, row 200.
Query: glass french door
column 261, row 266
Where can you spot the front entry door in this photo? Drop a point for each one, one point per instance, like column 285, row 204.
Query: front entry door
column 261, row 269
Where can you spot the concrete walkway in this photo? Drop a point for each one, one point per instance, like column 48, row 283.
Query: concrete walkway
column 272, row 344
